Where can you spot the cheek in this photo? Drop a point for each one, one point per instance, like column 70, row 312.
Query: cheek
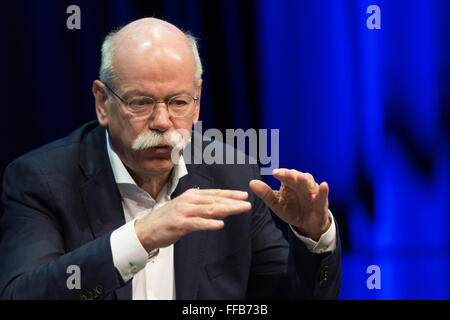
column 185, row 124
column 125, row 128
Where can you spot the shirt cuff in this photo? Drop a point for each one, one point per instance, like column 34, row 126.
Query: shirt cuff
column 129, row 256
column 326, row 243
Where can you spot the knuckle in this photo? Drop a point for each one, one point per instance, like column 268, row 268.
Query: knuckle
column 309, row 176
column 182, row 208
column 210, row 209
column 187, row 195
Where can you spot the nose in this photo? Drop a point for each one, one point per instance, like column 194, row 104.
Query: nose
column 160, row 118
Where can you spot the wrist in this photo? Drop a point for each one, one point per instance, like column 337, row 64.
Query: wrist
column 314, row 235
column 142, row 235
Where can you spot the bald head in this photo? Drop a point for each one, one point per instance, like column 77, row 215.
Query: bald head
column 146, row 46
column 150, row 28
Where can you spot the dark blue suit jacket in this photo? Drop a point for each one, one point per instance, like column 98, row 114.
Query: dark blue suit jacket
column 61, row 204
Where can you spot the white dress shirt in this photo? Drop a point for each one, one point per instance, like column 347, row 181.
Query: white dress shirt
column 154, row 279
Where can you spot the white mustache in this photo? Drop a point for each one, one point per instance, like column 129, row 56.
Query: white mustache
column 152, row 139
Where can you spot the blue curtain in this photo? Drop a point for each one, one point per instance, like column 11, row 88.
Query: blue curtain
column 368, row 111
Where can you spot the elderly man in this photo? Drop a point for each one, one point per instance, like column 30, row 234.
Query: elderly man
column 106, row 213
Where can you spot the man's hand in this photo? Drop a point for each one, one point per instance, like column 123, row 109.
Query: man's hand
column 192, row 211
column 301, row 202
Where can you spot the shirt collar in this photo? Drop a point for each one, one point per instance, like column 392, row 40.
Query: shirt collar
column 122, row 176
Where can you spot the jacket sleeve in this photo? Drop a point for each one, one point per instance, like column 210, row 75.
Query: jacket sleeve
column 312, row 275
column 287, row 269
column 34, row 263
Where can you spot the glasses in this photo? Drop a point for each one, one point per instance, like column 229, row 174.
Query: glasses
column 178, row 106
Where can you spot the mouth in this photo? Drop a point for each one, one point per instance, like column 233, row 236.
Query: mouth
column 161, row 149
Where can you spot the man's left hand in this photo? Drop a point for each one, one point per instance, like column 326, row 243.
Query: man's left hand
column 301, row 202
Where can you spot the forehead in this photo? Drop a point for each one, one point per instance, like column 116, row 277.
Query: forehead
column 156, row 82
column 129, row 90
column 154, row 55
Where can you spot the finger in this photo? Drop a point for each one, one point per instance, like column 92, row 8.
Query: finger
column 306, row 181
column 286, row 176
column 198, row 223
column 263, row 191
column 221, row 210
column 214, row 200
column 232, row 194
column 322, row 196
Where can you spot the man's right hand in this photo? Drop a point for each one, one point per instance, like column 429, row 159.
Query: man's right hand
column 192, row 211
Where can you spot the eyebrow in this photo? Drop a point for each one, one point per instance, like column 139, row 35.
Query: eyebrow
column 134, row 92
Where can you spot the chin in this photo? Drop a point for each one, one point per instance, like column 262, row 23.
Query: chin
column 158, row 165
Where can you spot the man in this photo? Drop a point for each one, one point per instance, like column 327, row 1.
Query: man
column 113, row 207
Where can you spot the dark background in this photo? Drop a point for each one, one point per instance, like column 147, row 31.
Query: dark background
column 365, row 110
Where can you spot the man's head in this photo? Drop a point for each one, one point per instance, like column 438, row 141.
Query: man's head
column 147, row 58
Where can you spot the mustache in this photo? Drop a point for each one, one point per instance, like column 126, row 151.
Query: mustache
column 150, row 139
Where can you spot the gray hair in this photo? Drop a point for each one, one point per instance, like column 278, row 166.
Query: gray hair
column 107, row 74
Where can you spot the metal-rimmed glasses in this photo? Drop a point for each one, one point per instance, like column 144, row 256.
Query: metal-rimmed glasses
column 143, row 106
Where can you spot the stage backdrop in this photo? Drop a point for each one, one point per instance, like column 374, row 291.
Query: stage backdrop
column 361, row 100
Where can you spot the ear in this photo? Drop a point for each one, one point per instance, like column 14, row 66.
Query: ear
column 197, row 103
column 101, row 100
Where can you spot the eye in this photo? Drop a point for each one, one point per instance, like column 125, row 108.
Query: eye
column 180, row 102
column 140, row 103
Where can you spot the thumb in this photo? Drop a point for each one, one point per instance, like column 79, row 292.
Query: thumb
column 263, row 191
column 323, row 193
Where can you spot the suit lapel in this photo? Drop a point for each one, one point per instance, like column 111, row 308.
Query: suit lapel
column 99, row 192
column 189, row 250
